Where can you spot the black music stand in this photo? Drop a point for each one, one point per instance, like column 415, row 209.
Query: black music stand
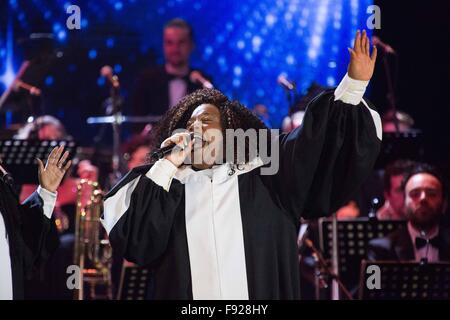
column 353, row 236
column 134, row 283
column 19, row 156
column 407, row 280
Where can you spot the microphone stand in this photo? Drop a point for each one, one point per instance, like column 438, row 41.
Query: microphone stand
column 290, row 97
column 115, row 97
column 115, row 106
column 19, row 74
column 324, row 269
column 390, row 88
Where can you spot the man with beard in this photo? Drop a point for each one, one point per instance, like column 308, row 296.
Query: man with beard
column 423, row 237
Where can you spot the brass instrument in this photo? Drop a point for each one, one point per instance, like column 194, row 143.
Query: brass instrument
column 93, row 253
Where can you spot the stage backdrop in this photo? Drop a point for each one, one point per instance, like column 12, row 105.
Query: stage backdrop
column 244, row 45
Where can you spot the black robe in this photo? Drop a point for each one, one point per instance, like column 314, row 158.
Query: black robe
column 321, row 164
column 32, row 236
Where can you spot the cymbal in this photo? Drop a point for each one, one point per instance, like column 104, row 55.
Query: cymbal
column 123, row 119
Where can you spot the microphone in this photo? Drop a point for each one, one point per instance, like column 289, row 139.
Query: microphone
column 386, row 48
column 6, row 176
column 197, row 77
column 107, row 72
column 285, row 83
column 34, row 91
column 373, row 208
column 162, row 152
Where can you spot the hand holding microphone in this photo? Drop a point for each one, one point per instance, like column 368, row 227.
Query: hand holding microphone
column 177, row 147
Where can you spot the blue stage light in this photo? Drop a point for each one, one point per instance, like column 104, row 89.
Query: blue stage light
column 49, row 81
column 118, row 5
column 92, row 54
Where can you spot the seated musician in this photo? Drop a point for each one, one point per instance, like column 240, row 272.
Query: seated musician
column 424, row 237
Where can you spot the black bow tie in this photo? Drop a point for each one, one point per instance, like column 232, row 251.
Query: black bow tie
column 421, row 242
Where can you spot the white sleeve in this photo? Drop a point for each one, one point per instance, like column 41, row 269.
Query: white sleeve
column 49, row 199
column 350, row 91
column 162, row 173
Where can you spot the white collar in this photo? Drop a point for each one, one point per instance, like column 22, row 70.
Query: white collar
column 217, row 174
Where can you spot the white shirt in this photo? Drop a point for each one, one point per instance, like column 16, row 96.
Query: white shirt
column 177, row 90
column 6, row 285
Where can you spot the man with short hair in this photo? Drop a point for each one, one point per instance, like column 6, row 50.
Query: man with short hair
column 161, row 87
column 394, row 199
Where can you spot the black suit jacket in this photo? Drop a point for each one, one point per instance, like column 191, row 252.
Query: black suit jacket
column 398, row 246
column 151, row 95
column 32, row 236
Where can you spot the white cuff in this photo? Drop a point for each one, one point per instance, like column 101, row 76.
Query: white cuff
column 49, row 199
column 162, row 173
column 350, row 91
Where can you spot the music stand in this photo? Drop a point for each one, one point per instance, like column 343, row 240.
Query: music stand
column 353, row 236
column 134, row 283
column 19, row 156
column 123, row 119
column 407, row 280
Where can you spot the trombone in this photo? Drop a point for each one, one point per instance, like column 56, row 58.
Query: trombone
column 93, row 253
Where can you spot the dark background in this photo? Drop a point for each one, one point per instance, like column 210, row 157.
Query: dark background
column 420, row 32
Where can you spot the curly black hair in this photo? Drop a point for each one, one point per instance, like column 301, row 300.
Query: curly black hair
column 233, row 115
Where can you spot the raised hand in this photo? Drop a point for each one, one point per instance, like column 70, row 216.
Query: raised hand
column 51, row 175
column 361, row 64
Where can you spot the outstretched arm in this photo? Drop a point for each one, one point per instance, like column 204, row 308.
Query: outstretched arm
column 362, row 63
column 326, row 159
